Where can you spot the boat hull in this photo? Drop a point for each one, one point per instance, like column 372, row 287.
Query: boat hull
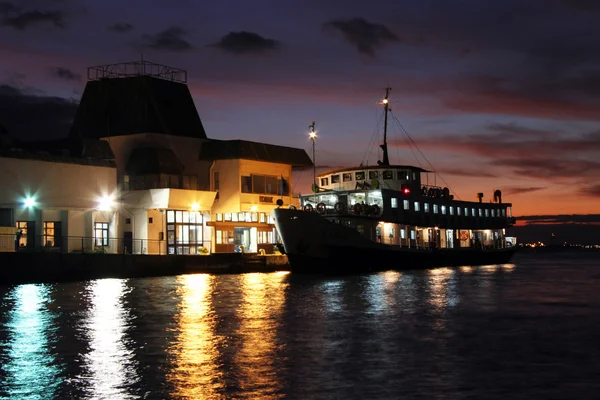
column 315, row 245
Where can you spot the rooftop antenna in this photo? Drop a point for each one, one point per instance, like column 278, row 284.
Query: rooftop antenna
column 386, row 105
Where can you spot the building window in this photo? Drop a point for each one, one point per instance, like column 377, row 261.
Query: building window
column 347, row 177
column 263, row 218
column 394, row 202
column 227, row 216
column 246, row 184
column 335, row 179
column 406, row 205
column 185, row 235
column 234, row 217
column 101, row 233
column 22, row 225
column 49, row 234
column 219, row 217
column 324, row 181
column 254, row 217
column 417, row 206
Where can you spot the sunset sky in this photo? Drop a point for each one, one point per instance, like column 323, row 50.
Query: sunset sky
column 496, row 94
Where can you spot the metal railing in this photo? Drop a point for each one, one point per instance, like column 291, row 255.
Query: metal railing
column 84, row 244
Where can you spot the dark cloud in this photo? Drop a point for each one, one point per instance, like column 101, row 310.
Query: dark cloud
column 475, row 173
column 245, row 42
column 590, row 190
column 7, row 7
column 362, row 34
column 23, row 20
column 171, row 39
column 521, row 190
column 65, row 73
column 121, row 27
column 27, row 115
column 561, row 219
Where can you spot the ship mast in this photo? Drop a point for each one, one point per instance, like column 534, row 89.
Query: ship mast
column 385, row 102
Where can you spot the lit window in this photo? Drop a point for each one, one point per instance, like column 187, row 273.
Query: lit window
column 493, row 213
column 444, row 210
column 219, row 217
column 394, row 202
column 227, row 217
column 412, row 235
column 234, row 217
column 49, row 234
column 426, row 207
column 473, row 213
column 487, row 213
column 466, row 212
column 417, row 206
column 101, row 233
column 406, row 205
column 480, row 212
column 263, row 218
column 435, row 208
column 458, row 210
column 451, row 209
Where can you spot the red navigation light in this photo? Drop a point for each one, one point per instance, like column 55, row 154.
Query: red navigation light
column 406, row 190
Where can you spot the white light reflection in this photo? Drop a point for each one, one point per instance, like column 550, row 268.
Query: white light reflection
column 332, row 295
column 379, row 292
column 263, row 302
column 30, row 371
column 110, row 364
column 196, row 373
column 442, row 288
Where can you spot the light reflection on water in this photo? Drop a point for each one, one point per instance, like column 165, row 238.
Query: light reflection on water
column 109, row 365
column 195, row 373
column 30, row 370
column 469, row 332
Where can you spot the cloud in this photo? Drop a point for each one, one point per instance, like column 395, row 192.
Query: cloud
column 7, row 7
column 23, row 20
column 362, row 34
column 591, row 190
column 65, row 73
column 245, row 42
column 521, row 190
column 470, row 173
column 171, row 39
column 121, row 27
column 561, row 219
column 28, row 115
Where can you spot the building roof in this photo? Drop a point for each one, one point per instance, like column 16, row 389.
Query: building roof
column 242, row 149
column 70, row 151
column 136, row 104
column 153, row 160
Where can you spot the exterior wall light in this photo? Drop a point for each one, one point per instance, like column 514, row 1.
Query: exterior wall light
column 195, row 207
column 105, row 203
column 29, row 202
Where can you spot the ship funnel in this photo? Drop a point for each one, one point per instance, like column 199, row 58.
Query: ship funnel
column 480, row 197
column 497, row 196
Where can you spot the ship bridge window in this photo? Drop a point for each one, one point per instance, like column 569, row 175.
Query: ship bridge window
column 403, row 175
column 473, row 213
column 417, row 206
column 458, row 210
column 335, row 179
column 480, row 212
column 426, row 207
column 504, row 212
column 487, row 213
column 414, row 176
column 324, row 181
column 466, row 212
column 359, row 176
column 394, row 202
column 451, row 210
column 388, row 175
column 347, row 177
column 493, row 213
column 435, row 208
column 373, row 175
column 444, row 210
column 406, row 205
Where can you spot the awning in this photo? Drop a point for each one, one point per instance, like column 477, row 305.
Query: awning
column 170, row 199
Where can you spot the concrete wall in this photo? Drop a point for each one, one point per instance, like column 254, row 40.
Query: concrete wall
column 54, row 185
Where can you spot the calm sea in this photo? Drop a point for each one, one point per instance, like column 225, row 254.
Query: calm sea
column 528, row 330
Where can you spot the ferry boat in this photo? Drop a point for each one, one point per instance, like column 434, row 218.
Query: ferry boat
column 381, row 217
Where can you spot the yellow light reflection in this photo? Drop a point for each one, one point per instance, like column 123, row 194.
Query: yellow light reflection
column 263, row 301
column 111, row 365
column 438, row 284
column 196, row 373
column 508, row 267
column 30, row 371
column 466, row 269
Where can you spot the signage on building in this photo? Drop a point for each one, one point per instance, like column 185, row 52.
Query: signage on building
column 265, row 199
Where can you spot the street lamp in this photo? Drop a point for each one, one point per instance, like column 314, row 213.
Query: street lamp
column 313, row 135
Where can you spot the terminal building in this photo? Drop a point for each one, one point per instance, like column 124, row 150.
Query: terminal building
column 138, row 174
